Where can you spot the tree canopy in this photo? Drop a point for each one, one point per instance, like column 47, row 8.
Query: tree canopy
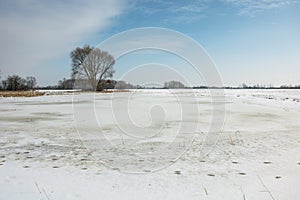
column 92, row 64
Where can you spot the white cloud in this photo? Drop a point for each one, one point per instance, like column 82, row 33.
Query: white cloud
column 167, row 8
column 35, row 31
column 252, row 7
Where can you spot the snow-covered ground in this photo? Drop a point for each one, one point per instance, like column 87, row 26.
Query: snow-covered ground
column 46, row 154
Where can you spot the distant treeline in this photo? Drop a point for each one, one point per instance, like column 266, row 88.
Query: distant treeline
column 110, row 84
column 16, row 83
column 113, row 84
column 84, row 84
column 270, row 86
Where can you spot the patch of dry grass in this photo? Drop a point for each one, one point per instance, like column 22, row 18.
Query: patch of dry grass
column 36, row 93
column 112, row 91
column 20, row 93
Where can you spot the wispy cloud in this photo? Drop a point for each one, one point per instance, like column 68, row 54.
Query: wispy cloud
column 35, row 31
column 252, row 7
column 155, row 6
column 194, row 7
column 186, row 18
column 173, row 11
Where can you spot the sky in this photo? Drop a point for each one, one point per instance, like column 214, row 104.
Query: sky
column 249, row 41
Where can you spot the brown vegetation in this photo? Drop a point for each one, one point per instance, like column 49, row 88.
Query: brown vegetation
column 20, row 93
column 112, row 91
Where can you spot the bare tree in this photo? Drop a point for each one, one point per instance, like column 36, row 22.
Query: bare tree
column 14, row 83
column 174, row 84
column 31, row 82
column 92, row 64
column 123, row 85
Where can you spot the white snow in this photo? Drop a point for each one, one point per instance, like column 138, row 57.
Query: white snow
column 257, row 155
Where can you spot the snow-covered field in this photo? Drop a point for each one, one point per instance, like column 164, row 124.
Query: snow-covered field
column 85, row 146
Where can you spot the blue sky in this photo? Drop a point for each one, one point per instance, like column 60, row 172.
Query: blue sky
column 250, row 41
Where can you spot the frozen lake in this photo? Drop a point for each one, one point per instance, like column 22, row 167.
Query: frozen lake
column 151, row 144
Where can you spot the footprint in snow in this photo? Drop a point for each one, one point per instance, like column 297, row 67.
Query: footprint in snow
column 177, row 172
column 267, row 162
